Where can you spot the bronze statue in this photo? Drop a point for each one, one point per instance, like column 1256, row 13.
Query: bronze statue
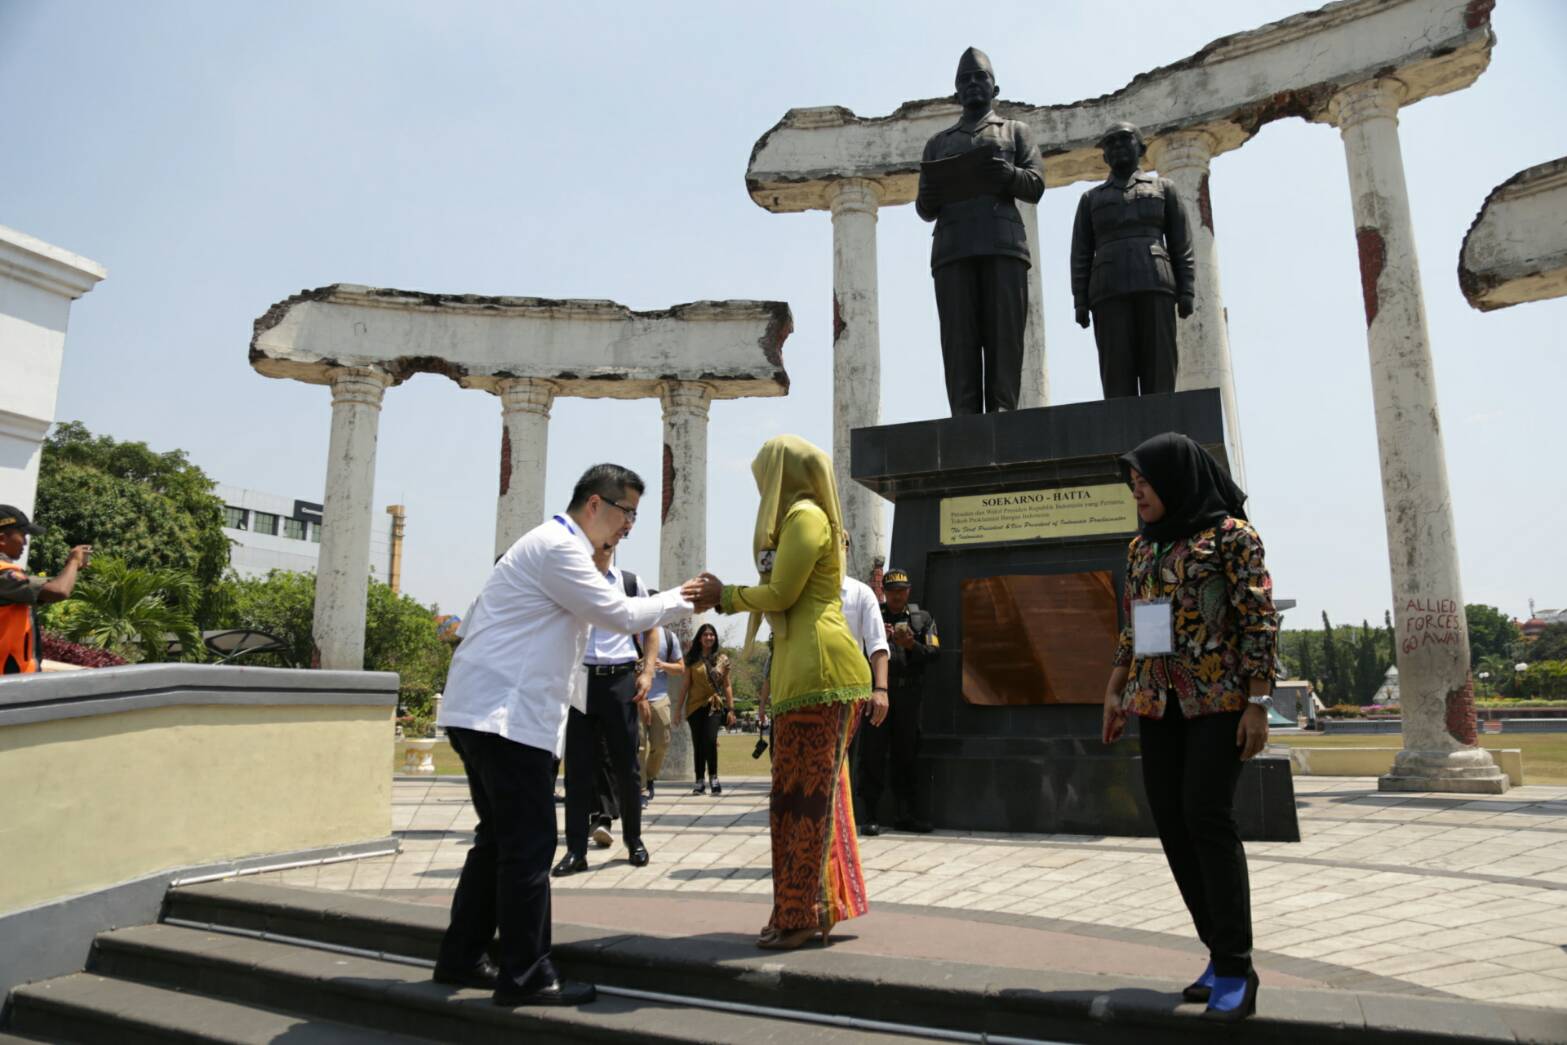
column 970, row 176
column 1132, row 267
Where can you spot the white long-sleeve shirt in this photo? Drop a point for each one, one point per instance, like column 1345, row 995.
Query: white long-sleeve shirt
column 519, row 661
column 863, row 613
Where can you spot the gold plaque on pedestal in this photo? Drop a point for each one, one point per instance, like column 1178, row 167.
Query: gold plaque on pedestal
column 1026, row 515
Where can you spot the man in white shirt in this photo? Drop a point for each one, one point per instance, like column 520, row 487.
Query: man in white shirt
column 507, row 695
column 605, row 728
column 862, row 610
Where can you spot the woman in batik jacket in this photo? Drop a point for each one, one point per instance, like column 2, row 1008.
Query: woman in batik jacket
column 1196, row 662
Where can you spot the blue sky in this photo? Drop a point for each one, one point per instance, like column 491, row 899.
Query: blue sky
column 219, row 157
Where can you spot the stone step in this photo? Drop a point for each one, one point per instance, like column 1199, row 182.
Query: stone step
column 87, row 1007
column 393, row 997
column 945, row 995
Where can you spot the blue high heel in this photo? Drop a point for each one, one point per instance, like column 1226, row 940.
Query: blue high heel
column 1233, row 998
column 1201, row 987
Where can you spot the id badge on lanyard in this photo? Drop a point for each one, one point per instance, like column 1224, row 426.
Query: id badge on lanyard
column 1153, row 623
column 1153, row 628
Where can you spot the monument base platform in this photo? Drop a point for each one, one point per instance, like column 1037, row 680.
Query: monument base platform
column 1021, row 521
column 1468, row 771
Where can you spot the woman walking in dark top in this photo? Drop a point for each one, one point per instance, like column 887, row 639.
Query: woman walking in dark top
column 1196, row 662
column 708, row 703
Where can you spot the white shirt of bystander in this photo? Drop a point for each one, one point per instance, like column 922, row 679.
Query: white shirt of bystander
column 863, row 613
column 522, row 655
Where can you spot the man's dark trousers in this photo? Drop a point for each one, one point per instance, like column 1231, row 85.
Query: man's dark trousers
column 611, row 719
column 897, row 739
column 1136, row 338
column 983, row 305
column 505, row 881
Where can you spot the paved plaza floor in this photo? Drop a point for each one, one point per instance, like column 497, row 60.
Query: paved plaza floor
column 1425, row 894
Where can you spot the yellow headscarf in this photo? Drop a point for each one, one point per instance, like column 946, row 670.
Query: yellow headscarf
column 789, row 469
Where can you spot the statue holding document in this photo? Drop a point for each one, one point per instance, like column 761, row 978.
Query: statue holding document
column 971, row 176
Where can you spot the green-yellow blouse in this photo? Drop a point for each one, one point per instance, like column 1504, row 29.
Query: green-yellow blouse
column 816, row 660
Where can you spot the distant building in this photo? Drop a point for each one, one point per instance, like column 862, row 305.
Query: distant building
column 268, row 532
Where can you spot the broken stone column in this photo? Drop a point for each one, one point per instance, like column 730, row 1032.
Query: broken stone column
column 856, row 339
column 343, row 572
column 525, row 433
column 1203, row 338
column 527, row 351
column 682, row 540
column 1034, row 390
column 1437, row 696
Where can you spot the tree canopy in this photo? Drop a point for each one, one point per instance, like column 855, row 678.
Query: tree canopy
column 1491, row 633
column 400, row 634
column 153, row 511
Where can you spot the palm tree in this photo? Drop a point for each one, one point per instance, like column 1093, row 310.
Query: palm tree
column 129, row 611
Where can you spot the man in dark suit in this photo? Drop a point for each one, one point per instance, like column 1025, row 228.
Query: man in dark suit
column 979, row 258
column 1132, row 268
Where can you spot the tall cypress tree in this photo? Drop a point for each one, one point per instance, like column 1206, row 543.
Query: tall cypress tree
column 1334, row 690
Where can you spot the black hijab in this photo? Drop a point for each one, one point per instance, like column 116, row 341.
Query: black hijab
column 1196, row 492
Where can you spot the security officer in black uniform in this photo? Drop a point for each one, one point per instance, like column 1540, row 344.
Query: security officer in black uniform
column 911, row 632
column 1132, row 267
column 979, row 257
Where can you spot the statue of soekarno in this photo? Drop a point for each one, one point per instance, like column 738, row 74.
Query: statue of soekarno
column 971, row 176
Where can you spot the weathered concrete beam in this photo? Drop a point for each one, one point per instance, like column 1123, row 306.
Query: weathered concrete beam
column 601, row 350
column 1516, row 250
column 1228, row 89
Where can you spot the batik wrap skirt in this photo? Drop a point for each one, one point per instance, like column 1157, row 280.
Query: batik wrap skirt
column 817, row 880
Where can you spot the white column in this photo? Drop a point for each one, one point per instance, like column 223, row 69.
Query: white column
column 1436, row 692
column 1203, row 338
column 682, row 535
column 856, row 400
column 343, row 572
column 1035, row 387
column 525, row 433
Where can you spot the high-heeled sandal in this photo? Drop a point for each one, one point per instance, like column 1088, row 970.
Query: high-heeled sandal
column 1233, row 999
column 789, row 940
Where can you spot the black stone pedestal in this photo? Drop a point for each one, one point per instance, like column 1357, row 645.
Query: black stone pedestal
column 1040, row 767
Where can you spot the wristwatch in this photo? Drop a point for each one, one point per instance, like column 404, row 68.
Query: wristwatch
column 1265, row 701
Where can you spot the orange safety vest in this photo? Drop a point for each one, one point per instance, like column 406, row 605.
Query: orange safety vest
column 18, row 647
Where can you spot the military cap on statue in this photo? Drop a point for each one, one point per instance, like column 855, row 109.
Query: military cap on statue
column 973, row 59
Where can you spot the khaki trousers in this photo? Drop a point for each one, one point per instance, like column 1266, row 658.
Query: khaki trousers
column 654, row 741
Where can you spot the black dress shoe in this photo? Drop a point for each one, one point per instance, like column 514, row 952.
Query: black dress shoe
column 913, row 826
column 638, row 855
column 556, row 992
column 571, row 863
column 869, row 829
column 486, row 975
column 650, row 793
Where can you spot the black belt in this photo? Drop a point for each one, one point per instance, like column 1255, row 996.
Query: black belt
column 1140, row 232
column 611, row 669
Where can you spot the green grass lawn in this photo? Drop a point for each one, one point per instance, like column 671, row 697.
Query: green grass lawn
column 734, row 758
column 1544, row 754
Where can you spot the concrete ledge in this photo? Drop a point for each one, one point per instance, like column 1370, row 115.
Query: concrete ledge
column 104, row 691
column 113, row 774
column 1377, row 761
column 54, row 938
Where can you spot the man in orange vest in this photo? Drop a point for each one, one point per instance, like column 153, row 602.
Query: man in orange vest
column 20, row 591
